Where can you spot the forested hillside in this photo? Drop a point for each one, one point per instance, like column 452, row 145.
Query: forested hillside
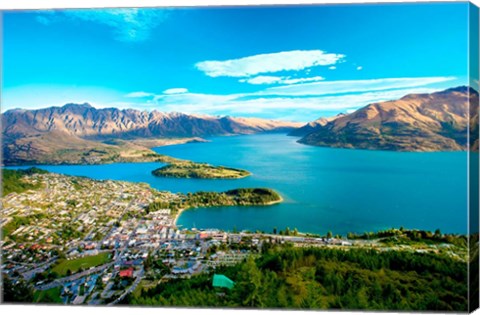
column 320, row 278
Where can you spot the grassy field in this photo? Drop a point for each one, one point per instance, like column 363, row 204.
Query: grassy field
column 48, row 296
column 85, row 262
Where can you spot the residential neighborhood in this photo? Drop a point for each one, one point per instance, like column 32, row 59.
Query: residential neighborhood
column 83, row 241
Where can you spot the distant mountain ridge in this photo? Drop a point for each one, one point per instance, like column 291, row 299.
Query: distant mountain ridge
column 85, row 121
column 82, row 134
column 416, row 122
column 312, row 126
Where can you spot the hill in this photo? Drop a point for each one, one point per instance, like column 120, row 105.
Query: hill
column 312, row 126
column 416, row 122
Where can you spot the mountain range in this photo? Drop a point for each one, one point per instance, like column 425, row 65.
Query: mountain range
column 82, row 134
column 313, row 126
column 83, row 120
column 416, row 122
column 63, row 134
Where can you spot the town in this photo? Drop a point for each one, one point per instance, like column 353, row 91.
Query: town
column 84, row 241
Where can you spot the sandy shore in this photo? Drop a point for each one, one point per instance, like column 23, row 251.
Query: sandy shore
column 273, row 202
column 178, row 215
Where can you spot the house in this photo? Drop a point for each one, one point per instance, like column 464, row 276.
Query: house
column 89, row 246
column 127, row 273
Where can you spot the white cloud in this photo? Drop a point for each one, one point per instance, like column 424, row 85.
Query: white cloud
column 279, row 80
column 332, row 68
column 359, row 68
column 272, row 106
column 351, row 86
column 128, row 24
column 267, row 63
column 262, row 79
column 139, row 94
column 294, row 100
column 175, row 91
column 193, row 98
column 300, row 102
column 302, row 80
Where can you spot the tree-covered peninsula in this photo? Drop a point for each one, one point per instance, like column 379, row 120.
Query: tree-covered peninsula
column 234, row 197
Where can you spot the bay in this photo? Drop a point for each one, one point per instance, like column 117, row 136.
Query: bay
column 324, row 189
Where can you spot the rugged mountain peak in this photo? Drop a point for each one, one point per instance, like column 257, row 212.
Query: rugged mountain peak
column 75, row 106
column 86, row 121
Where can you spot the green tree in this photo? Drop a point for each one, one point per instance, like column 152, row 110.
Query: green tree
column 250, row 284
column 18, row 292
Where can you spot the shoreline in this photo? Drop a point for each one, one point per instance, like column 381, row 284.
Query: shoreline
column 271, row 203
column 146, row 145
column 157, row 143
column 202, row 178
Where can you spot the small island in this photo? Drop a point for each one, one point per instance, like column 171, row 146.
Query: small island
column 199, row 170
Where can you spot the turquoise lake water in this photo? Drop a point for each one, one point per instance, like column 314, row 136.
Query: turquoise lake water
column 324, row 189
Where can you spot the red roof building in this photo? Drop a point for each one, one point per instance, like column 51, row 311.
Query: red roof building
column 127, row 273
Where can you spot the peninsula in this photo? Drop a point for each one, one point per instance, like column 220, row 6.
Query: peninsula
column 234, row 197
column 83, row 134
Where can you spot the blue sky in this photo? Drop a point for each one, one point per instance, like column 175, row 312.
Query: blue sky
column 292, row 63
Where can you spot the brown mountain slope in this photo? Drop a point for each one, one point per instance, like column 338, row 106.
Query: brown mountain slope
column 57, row 147
column 312, row 126
column 83, row 134
column 88, row 122
column 416, row 122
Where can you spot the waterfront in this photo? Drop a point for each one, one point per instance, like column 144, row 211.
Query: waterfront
column 323, row 188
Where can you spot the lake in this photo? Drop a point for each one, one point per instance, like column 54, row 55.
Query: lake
column 324, row 189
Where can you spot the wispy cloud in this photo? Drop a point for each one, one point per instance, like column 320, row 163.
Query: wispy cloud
column 192, row 99
column 129, row 25
column 279, row 80
column 352, row 86
column 359, row 68
column 299, row 109
column 139, row 94
column 268, row 63
column 298, row 104
column 175, row 91
column 262, row 79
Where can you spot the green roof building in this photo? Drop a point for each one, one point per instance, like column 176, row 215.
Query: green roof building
column 221, row 281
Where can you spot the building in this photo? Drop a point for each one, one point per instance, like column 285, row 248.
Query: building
column 221, row 281
column 127, row 273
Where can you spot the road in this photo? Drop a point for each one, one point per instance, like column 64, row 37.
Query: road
column 130, row 289
column 61, row 281
column 39, row 268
